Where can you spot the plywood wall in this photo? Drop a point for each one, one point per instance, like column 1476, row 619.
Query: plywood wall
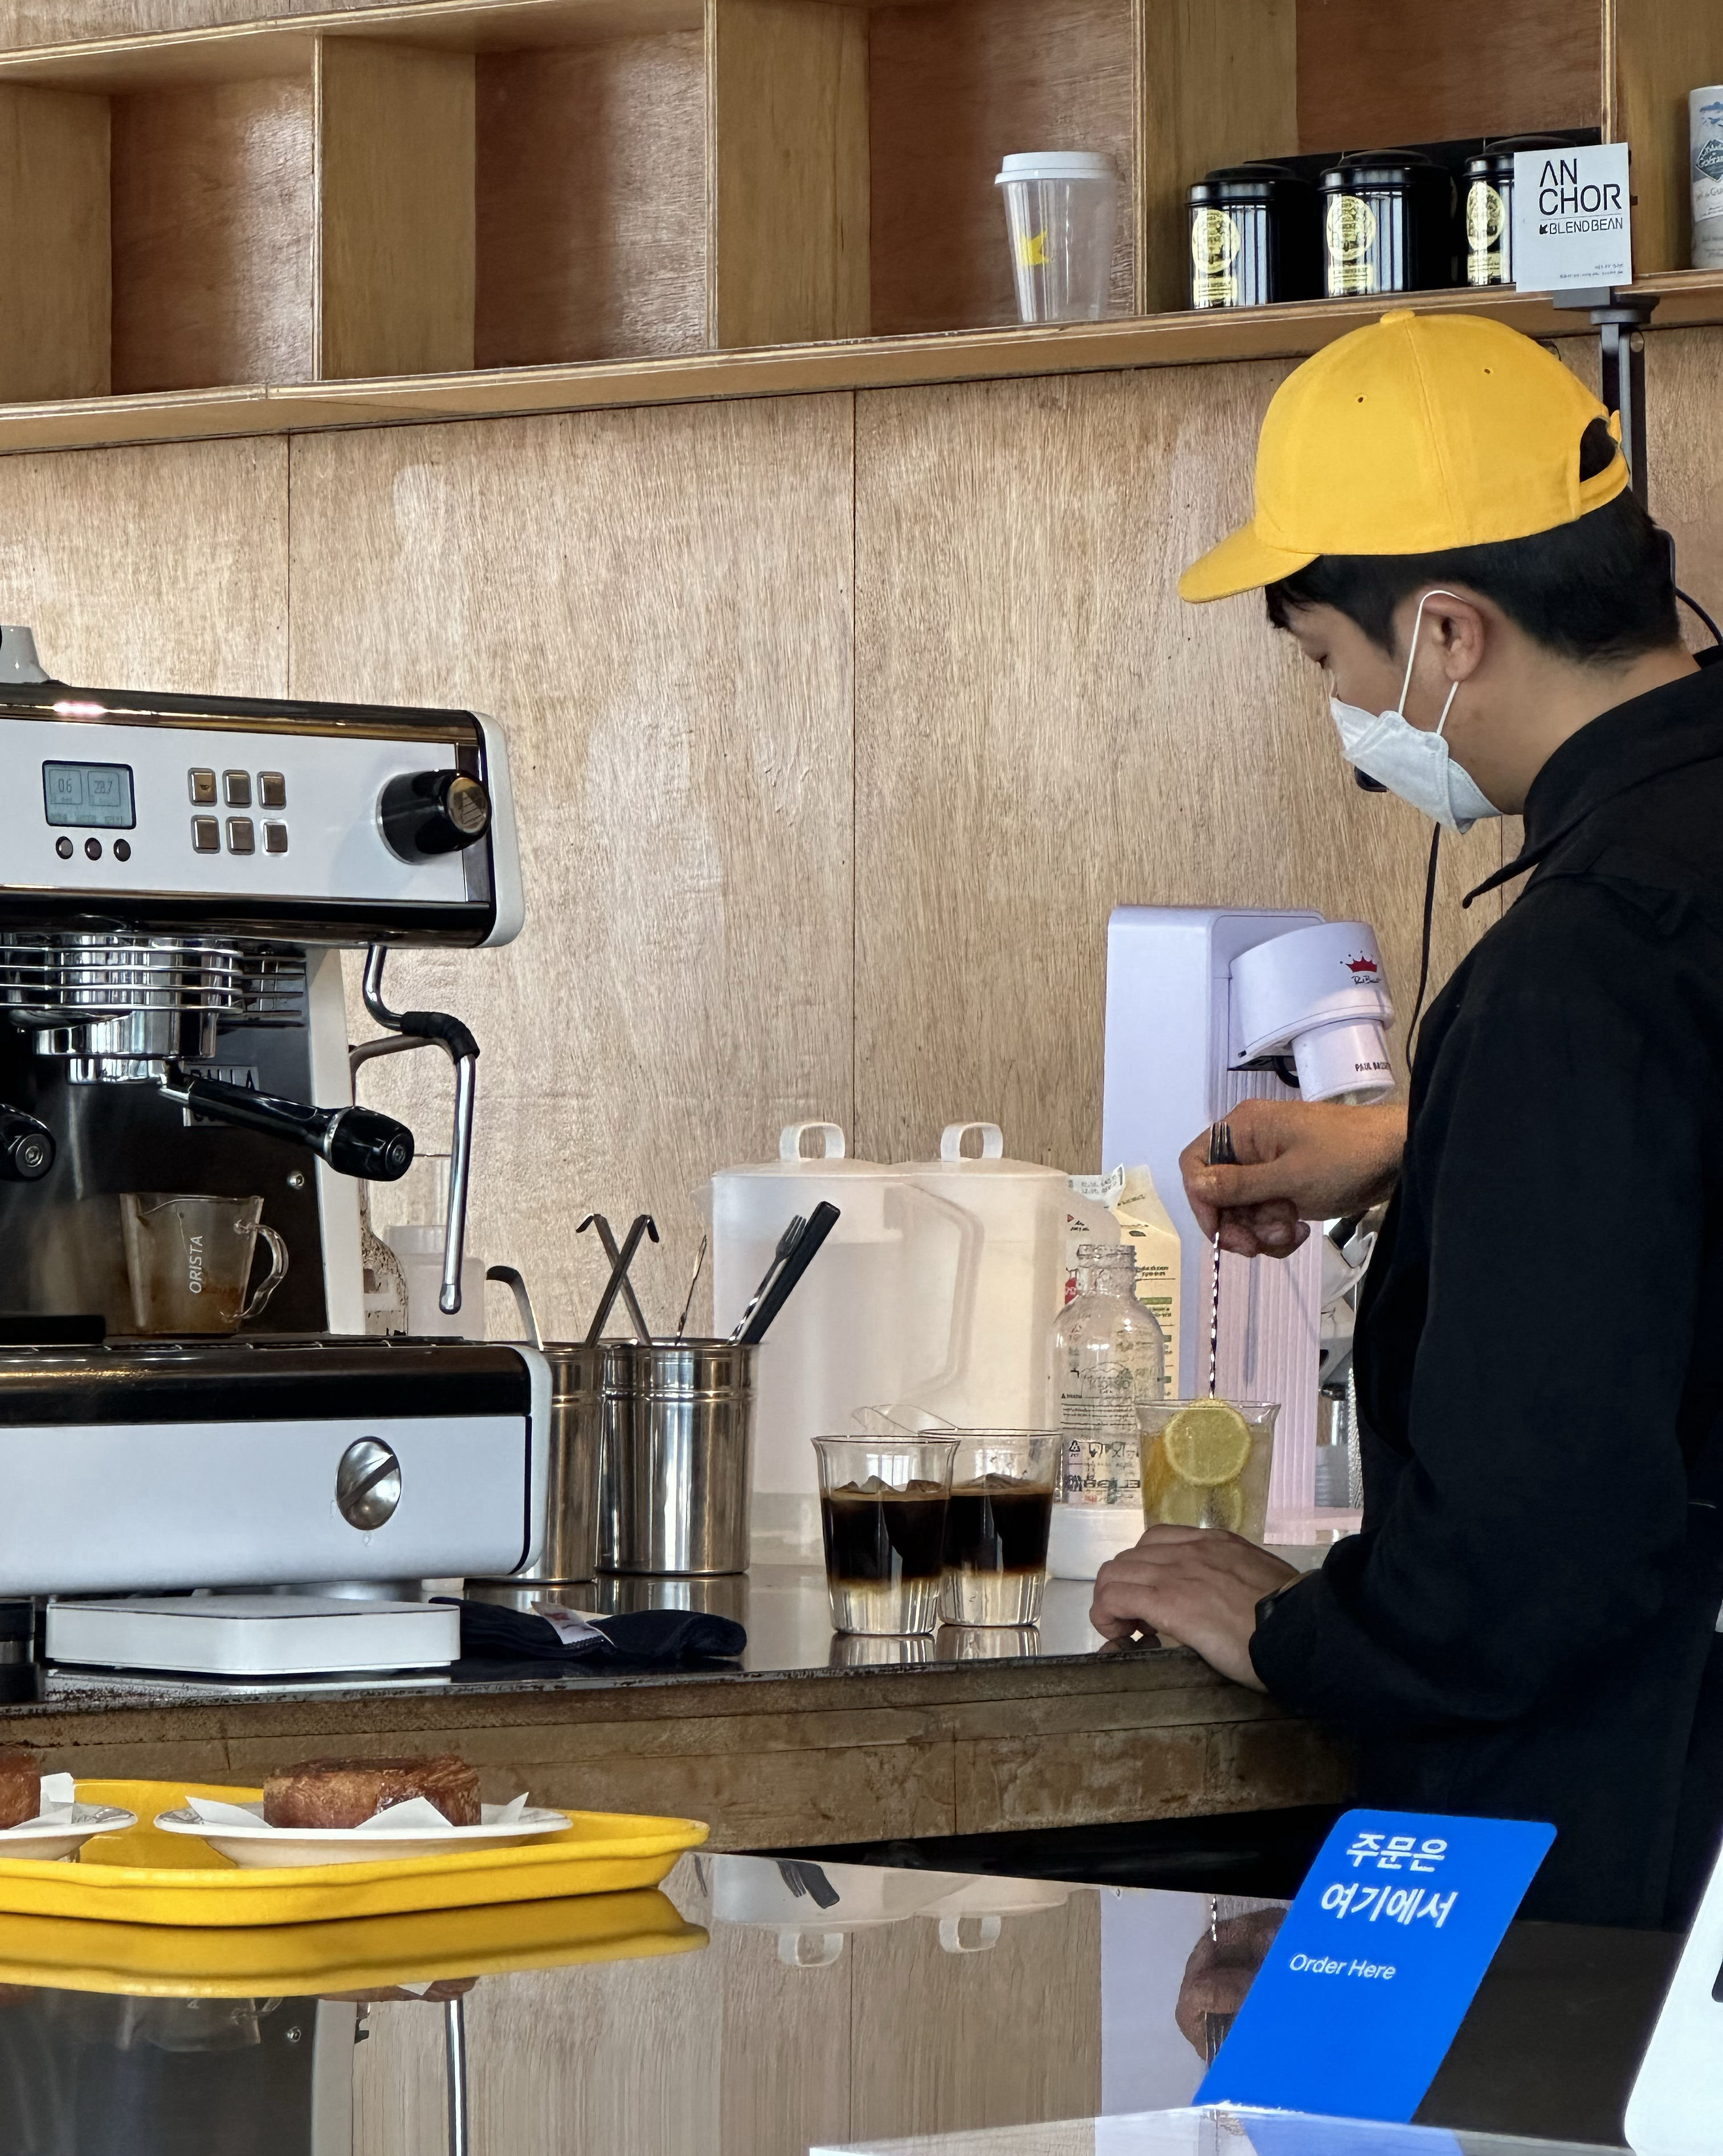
column 839, row 724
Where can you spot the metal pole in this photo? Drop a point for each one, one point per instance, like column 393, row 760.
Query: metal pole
column 454, row 2045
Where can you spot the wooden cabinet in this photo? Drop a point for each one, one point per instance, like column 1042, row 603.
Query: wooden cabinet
column 397, row 195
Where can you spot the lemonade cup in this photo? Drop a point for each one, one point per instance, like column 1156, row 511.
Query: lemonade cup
column 1206, row 1462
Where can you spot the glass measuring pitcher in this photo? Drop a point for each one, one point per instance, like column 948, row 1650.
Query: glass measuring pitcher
column 188, row 1260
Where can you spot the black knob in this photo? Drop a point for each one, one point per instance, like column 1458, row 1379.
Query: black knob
column 27, row 1147
column 424, row 813
column 361, row 1142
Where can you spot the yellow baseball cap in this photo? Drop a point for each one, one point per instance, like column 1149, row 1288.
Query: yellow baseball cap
column 1421, row 432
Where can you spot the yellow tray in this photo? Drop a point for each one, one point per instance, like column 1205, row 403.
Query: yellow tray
column 358, row 1954
column 143, row 1877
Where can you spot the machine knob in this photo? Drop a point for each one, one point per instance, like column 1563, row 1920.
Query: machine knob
column 27, row 1147
column 367, row 1484
column 426, row 812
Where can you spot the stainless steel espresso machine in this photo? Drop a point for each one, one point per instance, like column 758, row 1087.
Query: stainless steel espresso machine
column 178, row 877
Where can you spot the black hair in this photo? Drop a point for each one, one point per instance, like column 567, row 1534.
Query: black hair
column 1599, row 589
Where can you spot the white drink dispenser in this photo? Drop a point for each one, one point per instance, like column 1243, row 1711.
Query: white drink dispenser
column 1207, row 1007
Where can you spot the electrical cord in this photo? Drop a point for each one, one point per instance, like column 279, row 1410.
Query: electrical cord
column 1694, row 606
column 1418, row 1009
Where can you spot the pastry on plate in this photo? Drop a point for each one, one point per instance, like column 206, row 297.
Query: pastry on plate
column 348, row 1792
column 20, row 1786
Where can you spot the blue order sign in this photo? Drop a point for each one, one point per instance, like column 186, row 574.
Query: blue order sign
column 1380, row 1956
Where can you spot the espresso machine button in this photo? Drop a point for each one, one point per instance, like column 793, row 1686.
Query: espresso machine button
column 203, row 786
column 271, row 790
column 62, row 847
column 122, row 850
column 367, row 1484
column 426, row 812
column 242, row 835
column 206, row 835
column 275, row 838
column 92, row 849
column 236, row 787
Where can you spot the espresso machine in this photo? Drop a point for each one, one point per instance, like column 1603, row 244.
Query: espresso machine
column 1208, row 1006
column 179, row 877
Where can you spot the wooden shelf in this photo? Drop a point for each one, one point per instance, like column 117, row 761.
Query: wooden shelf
column 478, row 208
column 1686, row 299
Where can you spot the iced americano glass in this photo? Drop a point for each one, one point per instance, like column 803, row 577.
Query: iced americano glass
column 883, row 1506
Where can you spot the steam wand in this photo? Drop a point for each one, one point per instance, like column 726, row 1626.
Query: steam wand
column 414, row 1030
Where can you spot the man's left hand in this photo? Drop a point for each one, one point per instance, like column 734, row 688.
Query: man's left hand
column 1195, row 1587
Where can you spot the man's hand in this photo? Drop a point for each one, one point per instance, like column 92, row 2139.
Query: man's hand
column 1195, row 1587
column 1298, row 1161
column 1221, row 1971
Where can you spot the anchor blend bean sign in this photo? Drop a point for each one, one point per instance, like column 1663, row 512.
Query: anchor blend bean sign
column 1572, row 218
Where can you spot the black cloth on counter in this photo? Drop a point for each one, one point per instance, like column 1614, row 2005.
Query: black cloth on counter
column 491, row 1632
column 1522, row 1628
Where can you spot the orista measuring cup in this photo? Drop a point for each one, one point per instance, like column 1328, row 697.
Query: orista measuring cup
column 188, row 1261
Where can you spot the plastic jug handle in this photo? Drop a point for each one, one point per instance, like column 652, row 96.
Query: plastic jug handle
column 809, row 1949
column 985, row 1935
column 789, row 1142
column 952, row 1137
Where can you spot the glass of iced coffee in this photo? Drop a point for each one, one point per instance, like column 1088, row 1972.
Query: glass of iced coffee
column 996, row 1526
column 882, row 1504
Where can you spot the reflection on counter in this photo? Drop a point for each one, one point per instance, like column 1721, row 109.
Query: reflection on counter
column 756, row 2007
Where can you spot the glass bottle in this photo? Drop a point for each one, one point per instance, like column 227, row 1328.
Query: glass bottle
column 1109, row 1352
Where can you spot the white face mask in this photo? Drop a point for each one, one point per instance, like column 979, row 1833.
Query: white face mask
column 1407, row 760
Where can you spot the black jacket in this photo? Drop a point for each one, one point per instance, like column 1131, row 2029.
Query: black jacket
column 1522, row 1628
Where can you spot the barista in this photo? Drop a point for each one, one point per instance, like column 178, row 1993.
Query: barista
column 1526, row 1626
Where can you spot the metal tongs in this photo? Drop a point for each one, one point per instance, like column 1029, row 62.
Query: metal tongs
column 619, row 1282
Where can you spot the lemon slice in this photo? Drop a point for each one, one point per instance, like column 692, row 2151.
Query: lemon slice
column 1188, row 1505
column 1206, row 1444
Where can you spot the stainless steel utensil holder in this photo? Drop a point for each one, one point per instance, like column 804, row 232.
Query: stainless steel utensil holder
column 676, row 1468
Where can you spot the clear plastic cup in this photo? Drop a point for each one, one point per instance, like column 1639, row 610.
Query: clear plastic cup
column 882, row 1504
column 996, row 1526
column 1207, row 1463
column 1061, row 208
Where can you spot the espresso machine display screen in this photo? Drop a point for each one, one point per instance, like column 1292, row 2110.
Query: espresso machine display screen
column 90, row 795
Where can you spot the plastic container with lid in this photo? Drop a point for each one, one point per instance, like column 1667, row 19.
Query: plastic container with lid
column 1254, row 237
column 871, row 1323
column 1009, row 1282
column 1389, row 224
column 1062, row 206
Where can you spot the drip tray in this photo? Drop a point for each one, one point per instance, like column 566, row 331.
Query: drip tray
column 252, row 1635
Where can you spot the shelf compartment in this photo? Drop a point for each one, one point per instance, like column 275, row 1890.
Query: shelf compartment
column 953, row 86
column 591, row 193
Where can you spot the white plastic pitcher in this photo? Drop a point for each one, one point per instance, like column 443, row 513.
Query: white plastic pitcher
column 1009, row 1281
column 870, row 1323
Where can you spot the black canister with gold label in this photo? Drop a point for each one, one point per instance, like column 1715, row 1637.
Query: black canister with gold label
column 1489, row 207
column 1388, row 224
column 1253, row 236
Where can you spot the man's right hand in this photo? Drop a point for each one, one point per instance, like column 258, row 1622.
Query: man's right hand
column 1298, row 1161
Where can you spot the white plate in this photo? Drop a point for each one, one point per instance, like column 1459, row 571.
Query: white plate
column 268, row 1848
column 47, row 1840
